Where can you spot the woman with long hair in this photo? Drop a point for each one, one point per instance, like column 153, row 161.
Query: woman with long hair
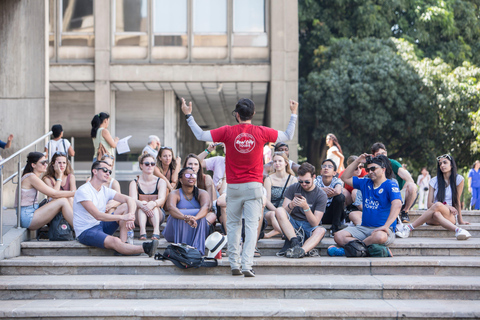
column 59, row 175
column 150, row 193
column 31, row 216
column 276, row 184
column 168, row 167
column 334, row 151
column 444, row 204
column 101, row 136
column 204, row 181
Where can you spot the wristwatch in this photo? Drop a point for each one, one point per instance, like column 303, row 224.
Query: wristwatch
column 188, row 116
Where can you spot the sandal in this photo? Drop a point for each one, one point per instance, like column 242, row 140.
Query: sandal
column 155, row 236
column 143, row 237
column 257, row 253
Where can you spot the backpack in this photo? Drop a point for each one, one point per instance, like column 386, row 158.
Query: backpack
column 59, row 229
column 184, row 256
column 356, row 248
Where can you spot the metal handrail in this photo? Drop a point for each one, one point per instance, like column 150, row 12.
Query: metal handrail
column 19, row 193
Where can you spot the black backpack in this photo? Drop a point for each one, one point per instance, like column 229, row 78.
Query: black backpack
column 59, row 229
column 185, row 256
column 356, row 248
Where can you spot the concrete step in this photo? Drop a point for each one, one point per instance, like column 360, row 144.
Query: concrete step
column 412, row 246
column 240, row 309
column 230, row 287
column 426, row 231
column 142, row 265
column 472, row 216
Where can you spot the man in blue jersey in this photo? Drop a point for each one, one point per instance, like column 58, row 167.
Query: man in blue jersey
column 381, row 203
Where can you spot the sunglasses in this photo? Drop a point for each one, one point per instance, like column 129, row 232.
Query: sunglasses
column 105, row 170
column 151, row 164
column 63, row 154
column 190, row 175
column 168, row 148
column 304, row 181
column 329, row 166
column 371, row 169
column 449, row 157
column 44, row 162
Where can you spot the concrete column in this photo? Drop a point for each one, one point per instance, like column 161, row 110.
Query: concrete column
column 170, row 122
column 103, row 95
column 23, row 78
column 284, row 66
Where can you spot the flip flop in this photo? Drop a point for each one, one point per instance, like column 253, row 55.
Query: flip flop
column 143, row 237
column 155, row 236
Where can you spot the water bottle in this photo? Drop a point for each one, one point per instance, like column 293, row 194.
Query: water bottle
column 130, row 236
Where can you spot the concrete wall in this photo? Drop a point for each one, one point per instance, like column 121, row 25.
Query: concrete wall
column 23, row 74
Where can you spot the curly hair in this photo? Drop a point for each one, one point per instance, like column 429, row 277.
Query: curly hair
column 179, row 183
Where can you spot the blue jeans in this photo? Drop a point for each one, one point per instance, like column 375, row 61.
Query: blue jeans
column 306, row 226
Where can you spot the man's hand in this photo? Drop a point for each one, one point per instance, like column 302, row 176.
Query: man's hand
column 186, row 109
column 293, row 106
column 300, row 202
column 10, row 138
column 382, row 228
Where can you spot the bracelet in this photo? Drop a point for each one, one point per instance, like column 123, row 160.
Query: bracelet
column 59, row 179
column 206, row 150
column 289, row 206
column 306, row 210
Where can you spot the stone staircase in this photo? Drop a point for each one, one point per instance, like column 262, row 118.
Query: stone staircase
column 431, row 276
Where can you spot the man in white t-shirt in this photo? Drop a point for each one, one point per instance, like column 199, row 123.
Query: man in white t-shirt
column 94, row 227
column 58, row 144
column 153, row 146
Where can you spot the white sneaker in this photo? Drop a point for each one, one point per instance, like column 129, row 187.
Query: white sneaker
column 403, row 231
column 462, row 234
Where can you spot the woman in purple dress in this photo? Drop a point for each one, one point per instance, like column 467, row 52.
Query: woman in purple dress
column 187, row 207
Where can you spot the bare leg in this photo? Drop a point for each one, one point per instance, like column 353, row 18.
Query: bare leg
column 379, row 237
column 284, row 223
column 314, row 239
column 122, row 247
column 122, row 209
column 211, row 218
column 142, row 221
column 45, row 214
column 348, row 197
column 155, row 221
column 410, row 194
column 438, row 214
column 356, row 217
column 270, row 215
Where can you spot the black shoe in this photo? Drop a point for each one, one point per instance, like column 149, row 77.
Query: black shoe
column 248, row 273
column 404, row 217
column 295, row 252
column 295, row 242
column 150, row 247
column 287, row 245
column 237, row 272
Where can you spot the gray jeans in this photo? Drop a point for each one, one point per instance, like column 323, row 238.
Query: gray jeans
column 246, row 198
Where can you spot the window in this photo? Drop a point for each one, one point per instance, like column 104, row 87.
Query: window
column 131, row 29
column 77, row 23
column 210, row 23
column 249, row 23
column 170, row 23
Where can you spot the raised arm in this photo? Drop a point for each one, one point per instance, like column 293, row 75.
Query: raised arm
column 197, row 131
column 347, row 176
column 288, row 134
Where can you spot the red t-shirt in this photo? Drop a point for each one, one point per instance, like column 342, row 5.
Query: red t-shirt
column 244, row 150
column 348, row 187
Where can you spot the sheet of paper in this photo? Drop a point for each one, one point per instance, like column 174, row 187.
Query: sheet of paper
column 122, row 145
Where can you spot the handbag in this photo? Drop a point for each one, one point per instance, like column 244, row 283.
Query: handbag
column 101, row 151
column 59, row 229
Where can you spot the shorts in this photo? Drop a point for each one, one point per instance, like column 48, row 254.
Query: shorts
column 306, row 226
column 96, row 235
column 361, row 233
column 26, row 215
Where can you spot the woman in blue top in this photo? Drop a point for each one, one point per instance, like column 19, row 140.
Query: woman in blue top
column 445, row 191
column 474, row 185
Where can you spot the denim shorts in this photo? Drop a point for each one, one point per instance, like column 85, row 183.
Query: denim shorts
column 95, row 236
column 306, row 226
column 26, row 215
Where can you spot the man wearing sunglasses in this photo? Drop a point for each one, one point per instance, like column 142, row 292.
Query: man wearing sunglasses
column 244, row 171
column 94, row 227
column 405, row 181
column 328, row 182
column 381, row 204
column 303, row 208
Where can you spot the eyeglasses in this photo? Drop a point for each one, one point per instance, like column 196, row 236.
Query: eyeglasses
column 151, row 164
column 329, row 166
column 304, row 181
column 105, row 170
column 44, row 162
column 190, row 175
column 371, row 169
column 449, row 157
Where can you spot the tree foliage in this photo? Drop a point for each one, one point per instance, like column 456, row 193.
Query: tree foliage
column 402, row 72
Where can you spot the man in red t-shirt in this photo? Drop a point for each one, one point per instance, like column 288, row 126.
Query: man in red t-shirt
column 244, row 171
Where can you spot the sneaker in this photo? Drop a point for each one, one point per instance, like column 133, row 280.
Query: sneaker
column 287, row 245
column 404, row 216
column 295, row 252
column 462, row 234
column 248, row 273
column 334, row 251
column 313, row 253
column 150, row 247
column 403, row 231
column 237, row 272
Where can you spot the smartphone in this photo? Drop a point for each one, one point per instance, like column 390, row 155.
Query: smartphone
column 298, row 195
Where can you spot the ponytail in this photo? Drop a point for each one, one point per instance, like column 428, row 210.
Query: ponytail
column 32, row 157
column 97, row 122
